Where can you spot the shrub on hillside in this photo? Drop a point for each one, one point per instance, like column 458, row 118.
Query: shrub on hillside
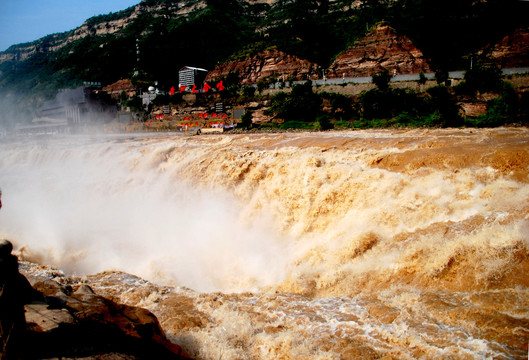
column 382, row 79
column 481, row 79
column 246, row 120
column 377, row 103
column 301, row 104
column 341, row 105
column 445, row 108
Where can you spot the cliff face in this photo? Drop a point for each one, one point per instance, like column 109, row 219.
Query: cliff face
column 381, row 48
column 512, row 51
column 99, row 26
column 267, row 63
column 23, row 51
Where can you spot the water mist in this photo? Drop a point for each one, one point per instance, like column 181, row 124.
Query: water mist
column 87, row 205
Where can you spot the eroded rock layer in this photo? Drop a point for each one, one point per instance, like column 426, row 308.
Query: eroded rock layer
column 267, row 63
column 381, row 48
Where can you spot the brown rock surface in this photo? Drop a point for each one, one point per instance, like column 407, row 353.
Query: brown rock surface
column 266, row 63
column 474, row 108
column 76, row 323
column 119, row 86
column 381, row 48
column 512, row 51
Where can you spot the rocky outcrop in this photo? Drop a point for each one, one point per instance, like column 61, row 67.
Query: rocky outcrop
column 275, row 63
column 42, row 319
column 381, row 48
column 120, row 86
column 512, row 51
column 80, row 324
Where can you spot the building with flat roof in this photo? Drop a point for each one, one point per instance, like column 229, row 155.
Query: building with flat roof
column 189, row 76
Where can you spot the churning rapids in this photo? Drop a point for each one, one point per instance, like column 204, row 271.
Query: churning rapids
column 394, row 244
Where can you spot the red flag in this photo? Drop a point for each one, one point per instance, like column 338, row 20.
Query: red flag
column 206, row 115
column 220, row 86
column 200, row 115
column 194, row 89
column 214, row 115
column 172, row 90
column 182, row 89
column 206, row 87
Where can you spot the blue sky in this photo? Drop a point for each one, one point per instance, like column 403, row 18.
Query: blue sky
column 27, row 20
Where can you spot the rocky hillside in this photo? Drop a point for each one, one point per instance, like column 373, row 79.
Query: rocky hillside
column 308, row 35
column 99, row 26
column 381, row 48
column 265, row 64
column 512, row 51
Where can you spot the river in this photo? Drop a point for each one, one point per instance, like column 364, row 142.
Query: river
column 394, row 244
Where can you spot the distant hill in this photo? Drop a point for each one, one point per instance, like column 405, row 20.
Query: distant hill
column 169, row 34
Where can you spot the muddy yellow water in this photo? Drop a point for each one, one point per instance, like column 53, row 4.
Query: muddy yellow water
column 390, row 244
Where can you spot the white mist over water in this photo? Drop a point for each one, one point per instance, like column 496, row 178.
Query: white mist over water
column 398, row 244
column 89, row 205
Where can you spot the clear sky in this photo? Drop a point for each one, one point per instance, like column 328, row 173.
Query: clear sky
column 27, row 20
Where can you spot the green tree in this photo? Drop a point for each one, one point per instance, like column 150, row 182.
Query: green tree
column 246, row 120
column 445, row 104
column 248, row 92
column 302, row 104
column 264, row 83
column 382, row 79
column 483, row 79
column 441, row 76
column 325, row 122
column 422, row 78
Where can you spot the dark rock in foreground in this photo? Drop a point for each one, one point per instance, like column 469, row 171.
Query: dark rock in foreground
column 72, row 322
column 77, row 323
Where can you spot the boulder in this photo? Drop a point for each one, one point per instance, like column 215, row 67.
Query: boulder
column 39, row 318
column 76, row 323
